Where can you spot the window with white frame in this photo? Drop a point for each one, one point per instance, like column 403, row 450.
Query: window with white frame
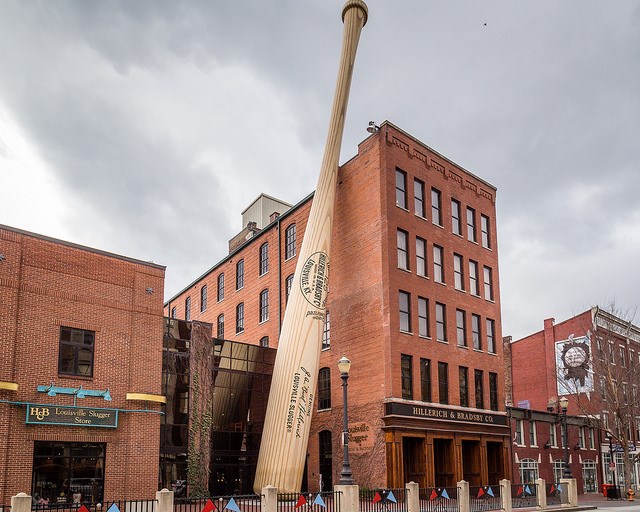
column 421, row 257
column 456, row 223
column 441, row 322
column 290, row 242
column 474, row 287
column 264, row 305
column 326, row 332
column 471, row 224
column 418, row 197
column 533, row 434
column 264, row 258
column 401, row 189
column 553, row 435
column 484, row 227
column 438, row 266
column 592, row 438
column 402, row 249
column 581, row 437
column 528, row 471
column 519, row 436
column 488, row 283
column 558, row 466
column 404, row 307
column 436, row 207
column 423, row 317
column 458, row 273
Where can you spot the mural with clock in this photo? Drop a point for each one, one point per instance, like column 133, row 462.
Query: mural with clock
column 573, row 362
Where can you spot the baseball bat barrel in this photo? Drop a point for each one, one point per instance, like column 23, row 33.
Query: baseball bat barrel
column 285, row 434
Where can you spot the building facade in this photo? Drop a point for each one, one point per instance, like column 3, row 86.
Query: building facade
column 80, row 371
column 593, row 359
column 413, row 302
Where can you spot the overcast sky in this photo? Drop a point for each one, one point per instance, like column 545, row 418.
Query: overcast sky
column 145, row 127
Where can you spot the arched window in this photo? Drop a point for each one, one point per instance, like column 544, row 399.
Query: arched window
column 264, row 305
column 589, row 476
column 264, row 259
column 240, row 275
column 220, row 287
column 558, row 465
column 290, row 242
column 324, row 389
column 287, row 287
column 240, row 318
column 220, row 334
column 264, row 341
column 528, row 471
column 187, row 309
column 203, row 298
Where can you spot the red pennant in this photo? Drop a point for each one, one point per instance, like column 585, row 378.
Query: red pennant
column 301, row 501
column 553, row 488
column 520, row 491
column 209, row 506
column 433, row 496
column 83, row 509
column 377, row 497
column 480, row 492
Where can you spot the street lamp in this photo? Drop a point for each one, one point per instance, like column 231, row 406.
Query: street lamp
column 564, row 404
column 344, row 365
column 612, row 462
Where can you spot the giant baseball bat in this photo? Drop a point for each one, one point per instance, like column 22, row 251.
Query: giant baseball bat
column 286, row 428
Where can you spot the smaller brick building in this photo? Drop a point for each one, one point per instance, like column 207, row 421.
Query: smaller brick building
column 80, row 371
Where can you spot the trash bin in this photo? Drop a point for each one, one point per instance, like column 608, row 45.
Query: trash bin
column 609, row 491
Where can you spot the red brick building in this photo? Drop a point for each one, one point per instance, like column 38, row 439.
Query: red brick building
column 414, row 303
column 593, row 359
column 81, row 360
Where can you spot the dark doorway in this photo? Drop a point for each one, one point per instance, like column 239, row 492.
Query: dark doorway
column 413, row 456
column 471, row 462
column 495, row 463
column 443, row 462
column 326, row 460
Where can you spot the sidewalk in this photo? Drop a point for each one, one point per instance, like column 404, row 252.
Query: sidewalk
column 598, row 500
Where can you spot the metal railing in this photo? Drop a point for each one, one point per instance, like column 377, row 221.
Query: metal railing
column 383, row 500
column 439, row 499
column 484, row 498
column 5, row 508
column 554, row 494
column 121, row 505
column 524, row 495
column 309, row 502
column 242, row 502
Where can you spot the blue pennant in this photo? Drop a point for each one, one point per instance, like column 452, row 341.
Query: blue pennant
column 527, row 490
column 319, row 501
column 391, row 497
column 113, row 508
column 490, row 492
column 232, row 505
column 444, row 494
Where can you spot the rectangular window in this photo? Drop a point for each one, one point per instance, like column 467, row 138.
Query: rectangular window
column 240, row 275
column 264, row 305
column 404, row 299
column 324, row 389
column 75, row 352
column 518, row 437
column 475, row 332
column 220, row 334
column 581, row 437
column 240, row 318
column 479, row 381
column 474, row 288
column 471, row 224
column 401, row 189
column 438, row 266
column 553, row 435
column 491, row 343
column 456, row 222
column 533, row 435
column 290, row 242
column 458, row 273
column 436, row 207
column 484, row 227
column 220, row 287
column 463, row 378
column 403, row 252
column 423, row 317
column 443, row 383
column 441, row 322
column 407, row 378
column 326, row 331
column 493, row 391
column 461, row 327
column 623, row 359
column 488, row 283
column 187, row 309
column 425, row 380
column 592, row 438
column 203, row 299
column 264, row 259
column 421, row 257
column 418, row 197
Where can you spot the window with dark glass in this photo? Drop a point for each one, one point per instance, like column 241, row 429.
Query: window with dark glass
column 491, row 342
column 471, row 224
column 187, row 309
column 463, row 377
column 488, row 283
column 484, row 227
column 425, row 380
column 75, row 356
column 324, row 389
column 461, row 328
column 264, row 259
column 418, row 197
column 475, row 332
column 493, row 391
column 326, row 332
column 438, row 266
column 401, row 189
column 436, row 207
column 407, row 377
column 423, row 317
column 456, row 222
column 220, row 287
column 403, row 252
column 421, row 257
column 174, row 312
column 458, row 272
column 203, row 298
column 240, row 318
column 264, row 341
column 240, row 275
column 290, row 242
column 404, row 299
column 474, row 289
column 325, row 453
column 441, row 322
column 479, row 378
column 220, row 327
column 288, row 283
column 264, row 305
column 443, row 382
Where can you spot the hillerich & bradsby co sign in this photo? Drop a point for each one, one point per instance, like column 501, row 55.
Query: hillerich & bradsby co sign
column 68, row 415
column 437, row 413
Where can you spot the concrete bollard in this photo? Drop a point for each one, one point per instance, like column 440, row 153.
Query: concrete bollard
column 505, row 495
column 464, row 498
column 569, row 492
column 541, row 493
column 269, row 499
column 164, row 500
column 412, row 497
column 21, row 502
column 350, row 497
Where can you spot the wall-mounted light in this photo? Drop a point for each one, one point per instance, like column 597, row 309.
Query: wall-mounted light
column 53, row 390
column 149, row 290
column 373, row 127
column 2, row 257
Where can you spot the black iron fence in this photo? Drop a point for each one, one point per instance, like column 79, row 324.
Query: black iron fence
column 524, row 495
column 237, row 503
column 383, row 500
column 107, row 506
column 309, row 502
column 554, row 493
column 439, row 499
column 5, row 508
column 485, row 497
